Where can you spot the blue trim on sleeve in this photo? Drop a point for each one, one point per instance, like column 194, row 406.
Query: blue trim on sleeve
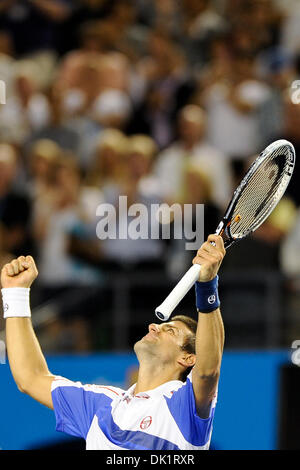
column 75, row 408
column 182, row 406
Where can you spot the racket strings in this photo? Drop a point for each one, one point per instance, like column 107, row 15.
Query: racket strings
column 253, row 200
column 261, row 193
column 252, row 209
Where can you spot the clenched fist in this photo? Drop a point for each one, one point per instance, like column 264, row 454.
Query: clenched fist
column 210, row 257
column 20, row 272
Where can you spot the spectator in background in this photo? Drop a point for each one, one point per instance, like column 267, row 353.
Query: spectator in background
column 112, row 108
column 95, row 96
column 79, row 83
column 192, row 147
column 42, row 160
column 117, row 72
column 7, row 60
column 123, row 168
column 234, row 111
column 34, row 24
column 76, row 70
column 139, row 187
column 141, row 156
column 130, row 34
column 58, row 213
column 201, row 24
column 26, row 109
column 114, row 29
column 114, row 72
column 98, row 36
column 90, row 74
column 255, row 24
column 112, row 105
column 280, row 222
column 108, row 165
column 79, row 71
column 196, row 188
column 103, row 183
column 82, row 25
column 262, row 249
column 278, row 69
column 162, row 15
column 291, row 132
column 32, row 105
column 56, row 129
column 15, row 207
column 289, row 32
column 6, row 44
column 168, row 87
column 219, row 66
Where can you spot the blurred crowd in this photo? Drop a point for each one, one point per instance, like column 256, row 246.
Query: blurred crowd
column 162, row 101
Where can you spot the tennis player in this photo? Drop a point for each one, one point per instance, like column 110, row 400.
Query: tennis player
column 171, row 406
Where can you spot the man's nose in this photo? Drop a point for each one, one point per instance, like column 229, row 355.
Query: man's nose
column 153, row 327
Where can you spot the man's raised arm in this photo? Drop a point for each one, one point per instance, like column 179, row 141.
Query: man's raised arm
column 26, row 360
column 210, row 330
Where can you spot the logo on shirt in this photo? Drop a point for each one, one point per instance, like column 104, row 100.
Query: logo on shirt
column 126, row 398
column 145, row 423
column 5, row 307
column 211, row 299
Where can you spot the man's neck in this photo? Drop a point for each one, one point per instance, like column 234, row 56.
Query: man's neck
column 152, row 376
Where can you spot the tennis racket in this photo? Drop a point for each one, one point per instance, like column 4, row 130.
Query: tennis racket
column 253, row 201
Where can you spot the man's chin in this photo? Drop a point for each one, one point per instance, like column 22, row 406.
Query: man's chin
column 144, row 343
column 148, row 338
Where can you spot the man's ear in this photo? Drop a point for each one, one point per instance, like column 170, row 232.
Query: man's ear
column 187, row 360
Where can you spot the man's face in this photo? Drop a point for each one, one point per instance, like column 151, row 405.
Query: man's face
column 163, row 342
column 191, row 130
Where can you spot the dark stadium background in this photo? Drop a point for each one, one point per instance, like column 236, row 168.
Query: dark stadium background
column 161, row 101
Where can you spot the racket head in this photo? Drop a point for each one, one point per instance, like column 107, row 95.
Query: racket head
column 259, row 192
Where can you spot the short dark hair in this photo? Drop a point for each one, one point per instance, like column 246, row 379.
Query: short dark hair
column 189, row 344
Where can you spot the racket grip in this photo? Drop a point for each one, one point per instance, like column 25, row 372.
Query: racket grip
column 163, row 312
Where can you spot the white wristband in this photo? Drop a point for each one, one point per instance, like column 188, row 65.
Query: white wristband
column 16, row 302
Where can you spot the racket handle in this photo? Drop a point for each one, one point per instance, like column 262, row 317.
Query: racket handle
column 163, row 312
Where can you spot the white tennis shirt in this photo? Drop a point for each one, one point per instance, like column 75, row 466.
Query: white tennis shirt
column 110, row 418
